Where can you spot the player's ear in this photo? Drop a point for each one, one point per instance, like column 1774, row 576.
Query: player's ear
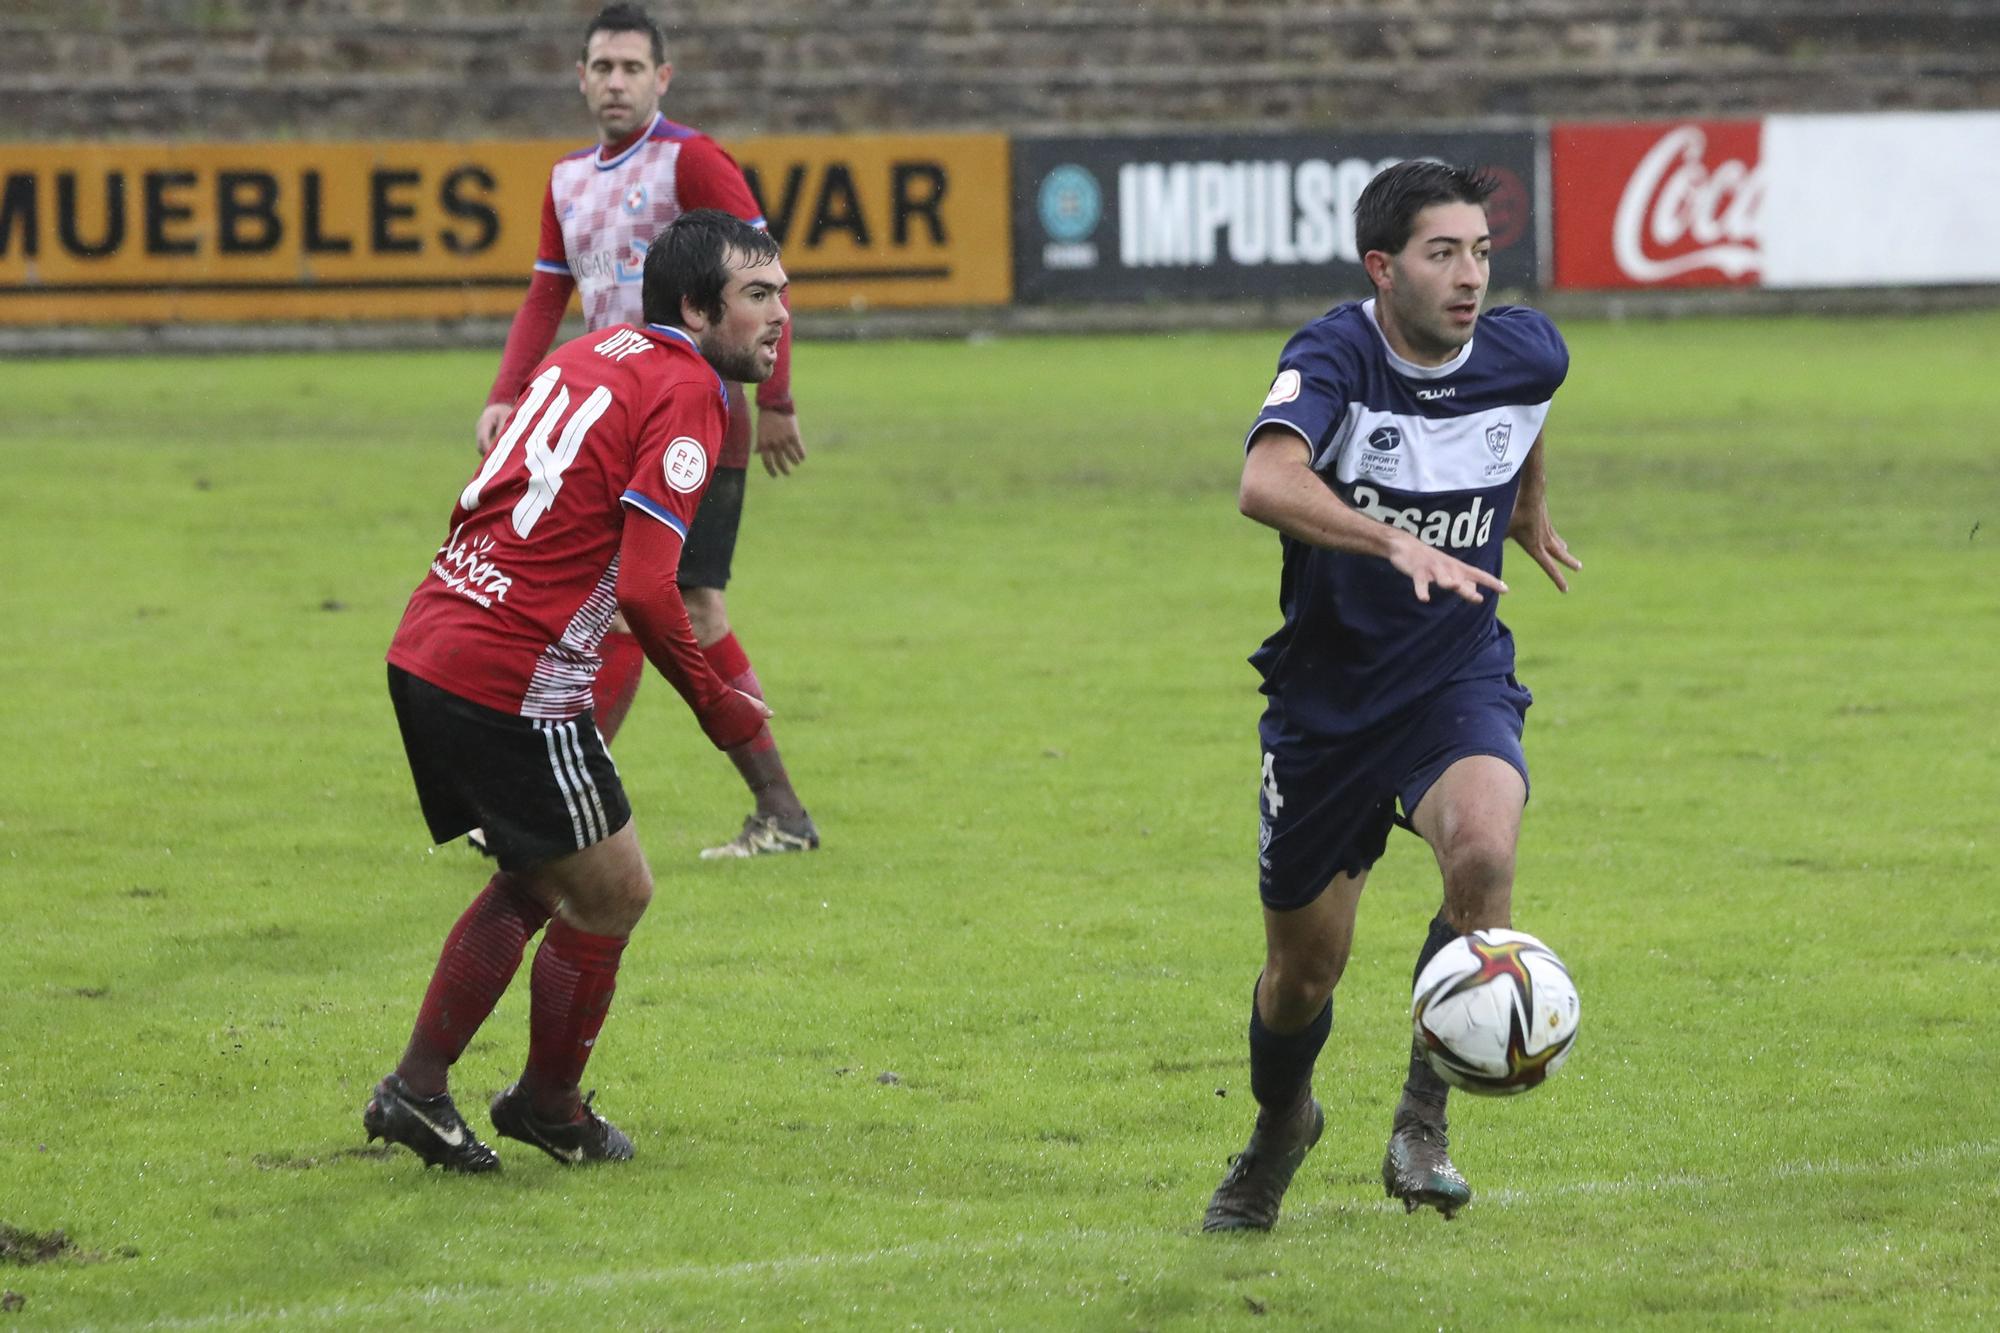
column 1376, row 262
column 662, row 77
column 693, row 318
column 582, row 84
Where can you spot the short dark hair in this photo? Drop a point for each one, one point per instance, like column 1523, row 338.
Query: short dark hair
column 691, row 260
column 1387, row 211
column 626, row 18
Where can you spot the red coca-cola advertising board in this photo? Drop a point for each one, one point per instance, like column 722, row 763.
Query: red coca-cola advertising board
column 1666, row 204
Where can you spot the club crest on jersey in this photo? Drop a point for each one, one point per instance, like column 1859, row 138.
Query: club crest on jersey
column 635, row 199
column 1497, row 437
column 685, row 465
column 1283, row 389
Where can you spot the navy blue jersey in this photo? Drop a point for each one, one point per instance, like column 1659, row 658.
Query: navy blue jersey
column 1435, row 450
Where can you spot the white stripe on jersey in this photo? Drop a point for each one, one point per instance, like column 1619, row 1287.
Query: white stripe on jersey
column 560, row 687
column 1432, row 455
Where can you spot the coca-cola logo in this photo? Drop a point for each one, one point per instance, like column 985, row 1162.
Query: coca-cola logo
column 1679, row 213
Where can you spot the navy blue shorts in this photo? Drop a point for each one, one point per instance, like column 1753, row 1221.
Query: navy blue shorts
column 1327, row 804
column 711, row 539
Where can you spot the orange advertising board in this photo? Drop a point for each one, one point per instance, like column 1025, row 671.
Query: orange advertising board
column 173, row 233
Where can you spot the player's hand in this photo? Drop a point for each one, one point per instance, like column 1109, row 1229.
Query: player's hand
column 491, row 422
column 778, row 442
column 1534, row 533
column 734, row 719
column 1428, row 567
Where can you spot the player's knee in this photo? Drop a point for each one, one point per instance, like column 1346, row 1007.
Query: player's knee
column 1480, row 861
column 707, row 614
column 636, row 892
column 1301, row 984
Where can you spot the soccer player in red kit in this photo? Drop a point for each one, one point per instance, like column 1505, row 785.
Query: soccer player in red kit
column 604, row 205
column 580, row 510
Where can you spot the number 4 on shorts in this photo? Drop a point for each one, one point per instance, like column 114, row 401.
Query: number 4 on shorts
column 1273, row 802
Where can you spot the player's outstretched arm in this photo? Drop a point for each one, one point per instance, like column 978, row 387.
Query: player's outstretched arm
column 1530, row 527
column 528, row 338
column 1281, row 490
column 778, row 442
column 649, row 596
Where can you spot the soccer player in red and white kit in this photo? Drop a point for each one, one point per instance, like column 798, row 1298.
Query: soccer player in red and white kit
column 603, row 206
column 579, row 511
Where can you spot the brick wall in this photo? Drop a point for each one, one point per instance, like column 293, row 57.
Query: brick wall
column 408, row 68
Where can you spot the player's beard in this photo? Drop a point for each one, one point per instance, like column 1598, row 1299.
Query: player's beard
column 1432, row 334
column 738, row 363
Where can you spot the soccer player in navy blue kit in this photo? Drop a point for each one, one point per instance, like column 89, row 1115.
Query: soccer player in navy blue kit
column 1397, row 450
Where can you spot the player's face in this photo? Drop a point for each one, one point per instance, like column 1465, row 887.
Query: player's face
column 621, row 84
column 743, row 344
column 1434, row 286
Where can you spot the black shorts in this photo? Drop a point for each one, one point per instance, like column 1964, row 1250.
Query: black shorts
column 1327, row 806
column 711, row 542
column 540, row 789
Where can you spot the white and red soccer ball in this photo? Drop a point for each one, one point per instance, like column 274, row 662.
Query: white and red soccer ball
column 1495, row 1012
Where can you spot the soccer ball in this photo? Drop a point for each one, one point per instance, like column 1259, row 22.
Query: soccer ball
column 1495, row 1012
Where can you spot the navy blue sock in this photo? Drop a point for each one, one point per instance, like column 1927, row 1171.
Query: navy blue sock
column 1281, row 1063
column 1423, row 1082
column 1442, row 933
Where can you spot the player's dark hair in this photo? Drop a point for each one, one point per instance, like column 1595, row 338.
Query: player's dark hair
column 626, row 18
column 691, row 260
column 1387, row 211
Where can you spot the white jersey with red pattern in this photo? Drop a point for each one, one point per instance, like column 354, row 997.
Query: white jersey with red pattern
column 519, row 596
column 605, row 204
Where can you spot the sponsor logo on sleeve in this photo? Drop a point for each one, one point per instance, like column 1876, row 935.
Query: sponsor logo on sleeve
column 1284, row 389
column 685, row 465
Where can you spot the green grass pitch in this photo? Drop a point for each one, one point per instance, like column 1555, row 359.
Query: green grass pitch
column 1002, row 613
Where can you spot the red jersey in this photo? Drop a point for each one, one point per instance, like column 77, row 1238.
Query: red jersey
column 520, row 594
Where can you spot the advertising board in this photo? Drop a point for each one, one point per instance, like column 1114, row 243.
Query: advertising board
column 1137, row 218
column 1820, row 201
column 154, row 233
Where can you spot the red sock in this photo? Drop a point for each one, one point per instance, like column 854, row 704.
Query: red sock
column 617, row 683
column 731, row 663
column 574, row 976
column 481, row 955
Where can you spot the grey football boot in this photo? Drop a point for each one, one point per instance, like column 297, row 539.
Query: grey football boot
column 766, row 835
column 1249, row 1195
column 1417, row 1167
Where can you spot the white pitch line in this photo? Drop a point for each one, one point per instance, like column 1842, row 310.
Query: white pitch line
column 401, row 1303
column 1831, row 1166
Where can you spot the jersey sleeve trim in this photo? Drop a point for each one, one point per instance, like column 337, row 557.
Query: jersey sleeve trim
column 549, row 266
column 652, row 509
column 1276, row 421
